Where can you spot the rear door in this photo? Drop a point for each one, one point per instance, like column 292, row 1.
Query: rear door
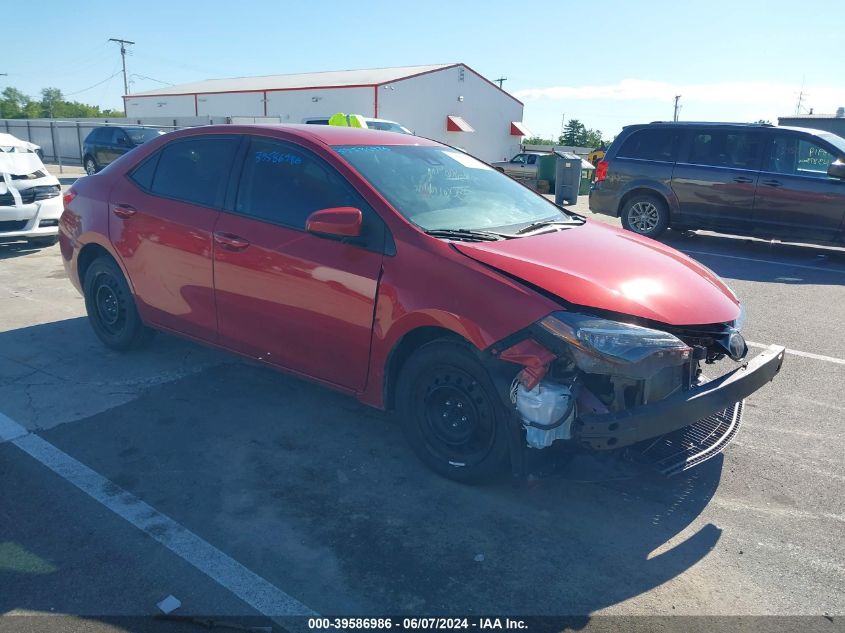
column 162, row 217
column 108, row 147
column 516, row 166
column 716, row 178
column 286, row 296
column 796, row 197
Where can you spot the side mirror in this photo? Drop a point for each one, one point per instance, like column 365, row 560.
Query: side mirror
column 336, row 222
column 837, row 169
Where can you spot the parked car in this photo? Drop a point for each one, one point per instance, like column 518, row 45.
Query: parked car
column 30, row 197
column 746, row 179
column 417, row 279
column 523, row 165
column 371, row 123
column 105, row 144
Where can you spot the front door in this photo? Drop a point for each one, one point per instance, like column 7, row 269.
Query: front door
column 796, row 197
column 716, row 179
column 162, row 218
column 286, row 296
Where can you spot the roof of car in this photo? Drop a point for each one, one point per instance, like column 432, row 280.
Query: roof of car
column 725, row 123
column 328, row 134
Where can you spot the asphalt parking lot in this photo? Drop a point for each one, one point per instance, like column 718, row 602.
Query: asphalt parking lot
column 243, row 492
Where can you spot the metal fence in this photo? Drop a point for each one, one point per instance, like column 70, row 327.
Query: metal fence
column 61, row 141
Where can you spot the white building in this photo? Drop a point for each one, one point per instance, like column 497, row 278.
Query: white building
column 450, row 103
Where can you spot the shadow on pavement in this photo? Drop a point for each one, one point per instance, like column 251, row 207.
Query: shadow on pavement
column 320, row 495
column 784, row 263
column 10, row 250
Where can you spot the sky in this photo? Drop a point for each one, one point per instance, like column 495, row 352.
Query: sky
column 608, row 64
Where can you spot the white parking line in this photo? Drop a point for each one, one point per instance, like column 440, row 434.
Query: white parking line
column 765, row 261
column 254, row 590
column 795, row 352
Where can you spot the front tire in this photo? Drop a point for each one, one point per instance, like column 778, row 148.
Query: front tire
column 645, row 215
column 90, row 165
column 111, row 307
column 451, row 413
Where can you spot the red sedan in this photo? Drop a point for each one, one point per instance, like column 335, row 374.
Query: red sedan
column 418, row 279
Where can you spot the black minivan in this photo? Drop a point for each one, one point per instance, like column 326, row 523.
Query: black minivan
column 747, row 179
column 105, row 144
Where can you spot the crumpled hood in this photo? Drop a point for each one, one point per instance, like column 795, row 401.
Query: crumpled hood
column 604, row 267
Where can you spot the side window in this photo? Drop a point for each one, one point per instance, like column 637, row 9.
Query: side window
column 284, row 184
column 143, row 173
column 792, row 155
column 195, row 170
column 532, row 159
column 519, row 158
column 717, row 148
column 111, row 136
column 657, row 145
column 120, row 137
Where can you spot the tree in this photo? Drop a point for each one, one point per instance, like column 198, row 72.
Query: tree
column 51, row 102
column 538, row 140
column 16, row 105
column 573, row 133
column 763, row 122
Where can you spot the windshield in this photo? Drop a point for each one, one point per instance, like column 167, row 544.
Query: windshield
column 387, row 126
column 140, row 135
column 442, row 188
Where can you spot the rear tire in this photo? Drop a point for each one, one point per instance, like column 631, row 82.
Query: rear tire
column 645, row 215
column 90, row 165
column 451, row 414
column 43, row 242
column 111, row 307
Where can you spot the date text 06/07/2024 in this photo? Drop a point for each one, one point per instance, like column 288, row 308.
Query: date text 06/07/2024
column 417, row 623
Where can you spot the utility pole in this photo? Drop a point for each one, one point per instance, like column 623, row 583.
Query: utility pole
column 123, row 44
column 801, row 96
column 500, row 81
column 677, row 109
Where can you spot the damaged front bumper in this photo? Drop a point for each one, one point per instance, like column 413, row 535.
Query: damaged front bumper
column 719, row 397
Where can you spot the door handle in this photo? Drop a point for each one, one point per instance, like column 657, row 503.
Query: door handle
column 231, row 242
column 772, row 183
column 124, row 210
column 743, row 179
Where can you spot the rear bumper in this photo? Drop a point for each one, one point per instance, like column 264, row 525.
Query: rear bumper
column 717, row 397
column 603, row 201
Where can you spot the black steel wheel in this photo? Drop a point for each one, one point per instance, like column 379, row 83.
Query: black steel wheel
column 111, row 307
column 451, row 414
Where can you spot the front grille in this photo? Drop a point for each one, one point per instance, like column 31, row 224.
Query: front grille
column 12, row 225
column 680, row 450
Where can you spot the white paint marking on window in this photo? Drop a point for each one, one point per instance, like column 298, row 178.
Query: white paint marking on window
column 254, row 590
column 827, row 359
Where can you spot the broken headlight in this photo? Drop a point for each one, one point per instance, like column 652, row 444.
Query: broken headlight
column 601, row 346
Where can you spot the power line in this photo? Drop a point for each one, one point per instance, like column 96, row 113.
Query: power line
column 76, row 92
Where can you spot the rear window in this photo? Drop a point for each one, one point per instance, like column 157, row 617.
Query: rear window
column 195, row 170
column 657, row 144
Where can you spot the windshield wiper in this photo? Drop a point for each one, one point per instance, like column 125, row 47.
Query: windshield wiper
column 467, row 234
column 544, row 223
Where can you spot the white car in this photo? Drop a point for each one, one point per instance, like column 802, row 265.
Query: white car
column 371, row 123
column 30, row 197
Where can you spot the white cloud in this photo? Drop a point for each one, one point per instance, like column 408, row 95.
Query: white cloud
column 824, row 99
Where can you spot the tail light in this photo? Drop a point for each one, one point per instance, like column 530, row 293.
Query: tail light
column 70, row 194
column 601, row 170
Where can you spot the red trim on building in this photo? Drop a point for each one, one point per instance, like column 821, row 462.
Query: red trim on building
column 474, row 72
column 518, row 129
column 229, row 92
column 455, row 123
